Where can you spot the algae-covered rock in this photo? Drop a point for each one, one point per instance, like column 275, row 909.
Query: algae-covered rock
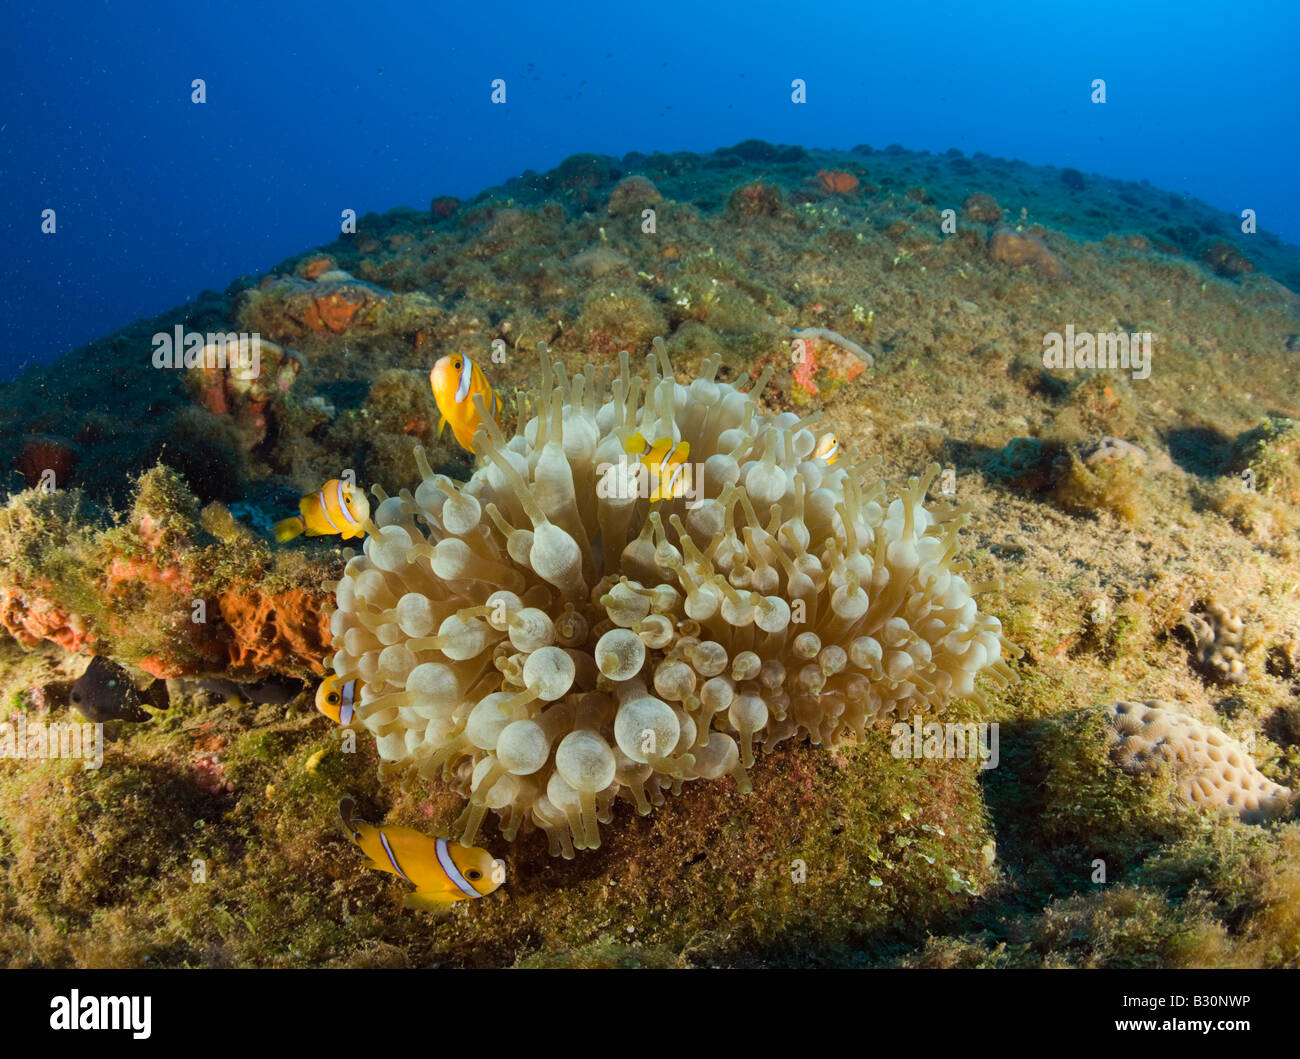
column 1020, row 250
column 1113, row 485
column 1267, row 459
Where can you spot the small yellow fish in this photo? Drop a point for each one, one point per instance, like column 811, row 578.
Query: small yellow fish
column 828, row 448
column 334, row 508
column 337, row 699
column 667, row 464
column 455, row 381
column 441, row 871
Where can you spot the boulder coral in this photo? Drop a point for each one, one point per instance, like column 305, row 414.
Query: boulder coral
column 1211, row 768
column 546, row 638
column 332, row 304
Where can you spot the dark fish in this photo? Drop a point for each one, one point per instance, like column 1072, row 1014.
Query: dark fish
column 271, row 691
column 104, row 692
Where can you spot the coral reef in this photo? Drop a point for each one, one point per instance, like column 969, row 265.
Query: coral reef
column 1100, row 553
column 158, row 591
column 333, row 303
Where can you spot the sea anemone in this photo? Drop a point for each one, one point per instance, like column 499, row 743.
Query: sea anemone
column 545, row 639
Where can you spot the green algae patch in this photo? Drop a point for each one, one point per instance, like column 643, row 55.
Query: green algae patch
column 826, row 853
column 1113, row 486
column 1123, row 927
column 1267, row 459
column 816, row 861
column 1083, row 800
column 1219, row 896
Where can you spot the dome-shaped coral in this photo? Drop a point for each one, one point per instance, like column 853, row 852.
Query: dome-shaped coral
column 546, row 640
column 1211, row 767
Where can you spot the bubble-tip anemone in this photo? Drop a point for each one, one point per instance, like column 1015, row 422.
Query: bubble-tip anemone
column 545, row 643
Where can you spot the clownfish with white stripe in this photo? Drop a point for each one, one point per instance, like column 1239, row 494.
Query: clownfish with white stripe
column 828, row 448
column 336, row 507
column 666, row 463
column 337, row 699
column 455, row 380
column 443, row 872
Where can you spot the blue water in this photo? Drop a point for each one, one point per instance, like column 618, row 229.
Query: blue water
column 314, row 108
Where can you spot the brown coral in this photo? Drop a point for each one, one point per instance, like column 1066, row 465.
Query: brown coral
column 316, row 266
column 836, row 182
column 631, row 195
column 1226, row 260
column 46, row 454
column 756, row 199
column 981, row 209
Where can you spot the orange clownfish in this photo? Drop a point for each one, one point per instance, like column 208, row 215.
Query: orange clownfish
column 337, row 699
column 455, row 380
column 336, row 507
column 828, row 448
column 666, row 463
column 442, row 872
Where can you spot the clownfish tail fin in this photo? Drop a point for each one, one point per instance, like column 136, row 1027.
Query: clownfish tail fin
column 289, row 528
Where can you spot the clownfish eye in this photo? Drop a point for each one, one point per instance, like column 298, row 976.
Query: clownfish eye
column 332, row 698
column 456, row 364
column 474, row 875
